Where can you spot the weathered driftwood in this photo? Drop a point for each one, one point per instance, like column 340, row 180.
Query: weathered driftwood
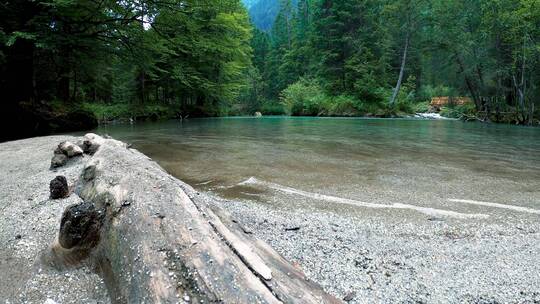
column 155, row 240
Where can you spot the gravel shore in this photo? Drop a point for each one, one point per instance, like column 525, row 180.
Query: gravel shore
column 29, row 225
column 359, row 254
column 402, row 257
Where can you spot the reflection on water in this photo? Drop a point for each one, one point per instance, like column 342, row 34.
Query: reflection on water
column 373, row 160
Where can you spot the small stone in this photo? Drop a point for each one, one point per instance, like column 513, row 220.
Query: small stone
column 91, row 143
column 58, row 160
column 59, row 187
column 246, row 230
column 349, row 296
column 292, row 228
column 69, row 149
column 186, row 298
column 435, row 219
column 18, row 237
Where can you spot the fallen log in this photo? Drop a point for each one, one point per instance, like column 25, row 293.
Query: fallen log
column 154, row 239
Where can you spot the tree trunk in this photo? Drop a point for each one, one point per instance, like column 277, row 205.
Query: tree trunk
column 74, row 95
column 143, row 87
column 470, row 84
column 401, row 71
column 520, row 93
column 154, row 239
column 531, row 113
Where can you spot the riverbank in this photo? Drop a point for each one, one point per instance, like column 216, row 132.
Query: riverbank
column 148, row 236
column 425, row 208
column 29, row 222
column 412, row 259
column 363, row 252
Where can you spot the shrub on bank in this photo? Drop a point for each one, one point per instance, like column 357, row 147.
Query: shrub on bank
column 308, row 98
column 458, row 111
column 344, row 105
column 304, row 97
column 272, row 108
column 421, row 107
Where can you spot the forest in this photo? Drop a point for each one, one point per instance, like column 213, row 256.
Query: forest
column 66, row 64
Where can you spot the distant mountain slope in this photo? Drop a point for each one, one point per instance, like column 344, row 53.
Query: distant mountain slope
column 249, row 3
column 263, row 13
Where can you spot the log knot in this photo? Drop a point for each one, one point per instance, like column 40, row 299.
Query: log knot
column 80, row 226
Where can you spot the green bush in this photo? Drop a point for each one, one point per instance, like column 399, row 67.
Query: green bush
column 344, row 105
column 106, row 112
column 457, row 111
column 367, row 89
column 421, row 107
column 405, row 100
column 272, row 108
column 304, row 97
column 307, row 98
column 405, row 105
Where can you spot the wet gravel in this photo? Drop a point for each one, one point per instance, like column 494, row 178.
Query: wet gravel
column 401, row 257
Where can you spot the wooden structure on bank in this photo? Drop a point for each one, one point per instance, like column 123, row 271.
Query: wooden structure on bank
column 442, row 101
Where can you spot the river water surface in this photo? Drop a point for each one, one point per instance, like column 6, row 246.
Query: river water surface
column 331, row 162
column 390, row 211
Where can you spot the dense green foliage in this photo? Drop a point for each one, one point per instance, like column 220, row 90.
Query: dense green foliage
column 170, row 58
column 382, row 57
column 186, row 56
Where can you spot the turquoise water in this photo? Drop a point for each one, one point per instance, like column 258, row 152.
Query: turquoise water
column 385, row 161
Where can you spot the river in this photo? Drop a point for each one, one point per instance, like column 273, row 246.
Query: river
column 437, row 164
column 375, row 210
